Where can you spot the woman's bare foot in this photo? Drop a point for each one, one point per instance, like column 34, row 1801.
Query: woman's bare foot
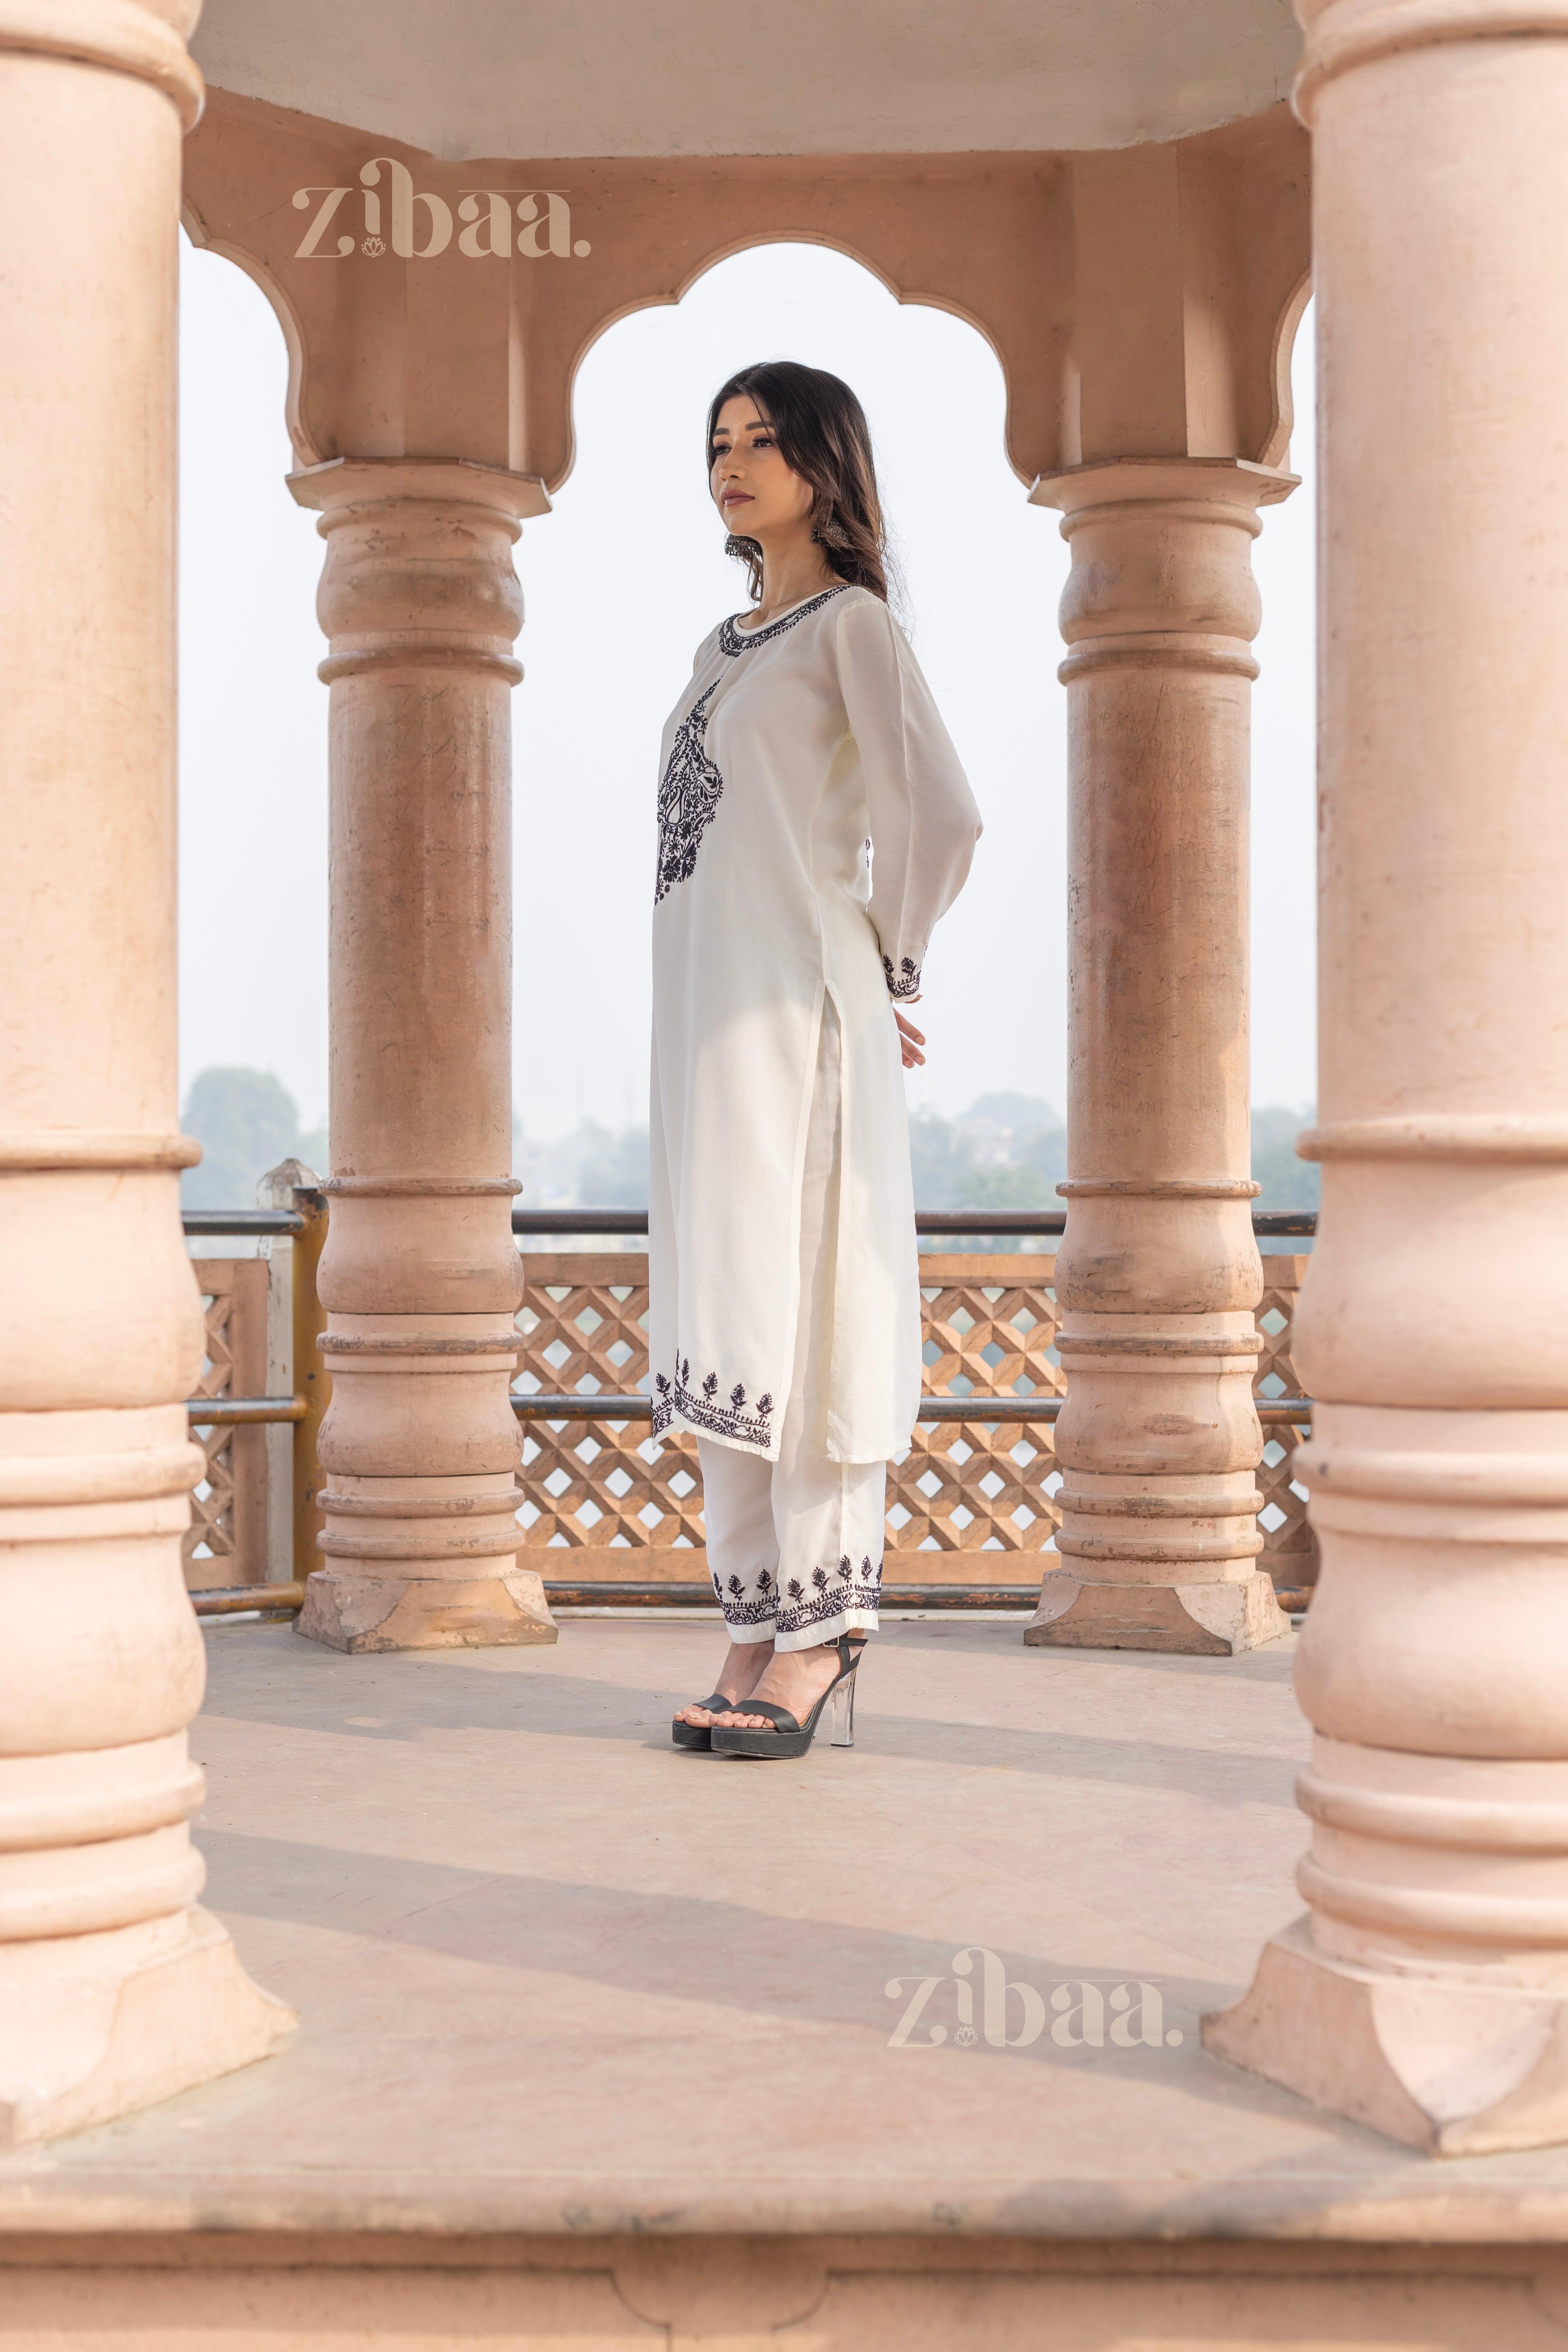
column 794, row 1678
column 742, row 1671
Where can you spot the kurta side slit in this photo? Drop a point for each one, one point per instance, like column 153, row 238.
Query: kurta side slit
column 795, row 1547
column 814, row 823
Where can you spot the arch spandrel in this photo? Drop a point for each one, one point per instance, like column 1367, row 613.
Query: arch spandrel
column 411, row 333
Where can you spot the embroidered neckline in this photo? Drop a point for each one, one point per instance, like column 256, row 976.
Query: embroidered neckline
column 733, row 641
column 691, row 786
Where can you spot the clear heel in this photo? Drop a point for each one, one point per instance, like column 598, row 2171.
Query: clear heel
column 843, row 1732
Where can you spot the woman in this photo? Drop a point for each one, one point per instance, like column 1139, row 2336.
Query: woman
column 814, row 822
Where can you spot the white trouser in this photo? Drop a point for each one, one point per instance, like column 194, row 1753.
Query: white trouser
column 795, row 1546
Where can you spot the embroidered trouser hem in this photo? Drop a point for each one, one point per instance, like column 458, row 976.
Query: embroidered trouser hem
column 795, row 1546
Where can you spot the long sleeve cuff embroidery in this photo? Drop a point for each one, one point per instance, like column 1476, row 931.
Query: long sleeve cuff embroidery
column 904, row 979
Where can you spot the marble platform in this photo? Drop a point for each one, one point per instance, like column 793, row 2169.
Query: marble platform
column 597, row 2036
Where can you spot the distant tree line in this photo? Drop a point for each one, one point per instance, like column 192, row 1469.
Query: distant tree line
column 1288, row 1183
column 245, row 1122
column 1006, row 1152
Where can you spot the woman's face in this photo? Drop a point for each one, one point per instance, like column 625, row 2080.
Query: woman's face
column 753, row 488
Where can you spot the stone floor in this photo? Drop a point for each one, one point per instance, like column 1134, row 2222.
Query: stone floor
column 555, row 1975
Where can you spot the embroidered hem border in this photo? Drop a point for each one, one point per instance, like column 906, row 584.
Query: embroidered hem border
column 795, row 1616
column 706, row 1411
column 839, row 1592
column 744, row 1612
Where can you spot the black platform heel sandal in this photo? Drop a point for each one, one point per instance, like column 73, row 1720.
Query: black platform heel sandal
column 700, row 1734
column 793, row 1737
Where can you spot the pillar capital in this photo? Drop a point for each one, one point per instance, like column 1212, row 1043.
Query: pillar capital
column 1344, row 34
column 144, row 38
column 1234, row 484
column 344, row 484
column 418, row 574
column 1162, row 568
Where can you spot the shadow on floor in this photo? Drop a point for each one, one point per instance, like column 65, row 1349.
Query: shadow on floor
column 435, row 1697
column 648, row 1944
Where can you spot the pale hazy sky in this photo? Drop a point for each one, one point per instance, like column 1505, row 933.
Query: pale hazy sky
column 622, row 582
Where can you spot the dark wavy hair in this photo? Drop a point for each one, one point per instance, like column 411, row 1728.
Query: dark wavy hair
column 823, row 437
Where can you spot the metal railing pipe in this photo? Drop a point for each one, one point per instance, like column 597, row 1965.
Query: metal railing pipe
column 1273, row 1223
column 590, row 1405
column 236, row 1600
column 242, row 1221
column 213, row 1412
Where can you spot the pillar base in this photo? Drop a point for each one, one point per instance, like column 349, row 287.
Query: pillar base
column 347, row 1609
column 95, row 2026
column 1204, row 1621
column 1453, row 2068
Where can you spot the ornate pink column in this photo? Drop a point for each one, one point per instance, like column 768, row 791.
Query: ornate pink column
column 1426, row 1991
column 420, row 1275
column 1158, row 1276
column 115, row 1988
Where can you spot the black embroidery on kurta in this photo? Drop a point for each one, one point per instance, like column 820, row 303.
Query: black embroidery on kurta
column 732, row 641
column 906, row 980
column 705, row 1409
column 691, row 786
column 688, row 798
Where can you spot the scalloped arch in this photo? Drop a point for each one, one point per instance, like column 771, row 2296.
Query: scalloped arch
column 761, row 241
column 1286, row 328
column 1137, row 301
column 275, row 296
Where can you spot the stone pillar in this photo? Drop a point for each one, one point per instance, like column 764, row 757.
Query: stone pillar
column 115, row 1989
column 1158, row 1276
column 1426, row 1991
column 420, row 1275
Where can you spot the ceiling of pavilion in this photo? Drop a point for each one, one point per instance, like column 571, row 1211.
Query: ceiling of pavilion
column 542, row 77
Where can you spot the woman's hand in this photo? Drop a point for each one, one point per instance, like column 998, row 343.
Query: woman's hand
column 910, row 1040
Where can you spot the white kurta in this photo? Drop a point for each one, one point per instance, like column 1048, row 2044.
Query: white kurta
column 813, row 823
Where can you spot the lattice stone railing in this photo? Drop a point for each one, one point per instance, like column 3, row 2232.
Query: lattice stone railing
column 964, row 1502
column 965, row 1499
column 225, row 1543
column 1289, row 1548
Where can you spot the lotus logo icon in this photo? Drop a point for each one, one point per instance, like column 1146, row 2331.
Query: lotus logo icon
column 373, row 246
